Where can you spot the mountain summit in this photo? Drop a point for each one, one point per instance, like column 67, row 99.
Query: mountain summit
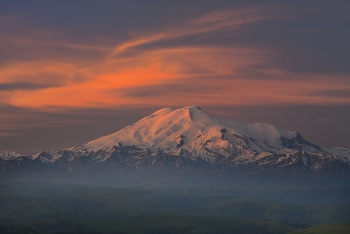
column 174, row 139
column 190, row 132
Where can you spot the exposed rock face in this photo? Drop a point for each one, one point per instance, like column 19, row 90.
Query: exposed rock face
column 189, row 138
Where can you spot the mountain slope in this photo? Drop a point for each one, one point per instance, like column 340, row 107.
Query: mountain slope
column 192, row 131
column 8, row 155
column 189, row 138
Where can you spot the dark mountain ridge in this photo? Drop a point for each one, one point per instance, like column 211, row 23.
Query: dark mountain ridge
column 187, row 145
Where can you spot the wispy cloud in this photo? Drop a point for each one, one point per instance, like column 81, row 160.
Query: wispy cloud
column 329, row 119
column 20, row 86
column 59, row 71
column 209, row 23
column 7, row 134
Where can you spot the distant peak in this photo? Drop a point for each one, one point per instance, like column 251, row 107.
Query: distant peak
column 193, row 107
column 163, row 111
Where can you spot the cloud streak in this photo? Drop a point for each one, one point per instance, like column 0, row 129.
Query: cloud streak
column 209, row 23
column 65, row 73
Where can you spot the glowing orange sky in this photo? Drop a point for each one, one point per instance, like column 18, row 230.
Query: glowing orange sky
column 74, row 71
column 230, row 75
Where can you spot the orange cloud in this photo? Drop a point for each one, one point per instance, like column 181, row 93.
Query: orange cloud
column 126, row 74
column 215, row 73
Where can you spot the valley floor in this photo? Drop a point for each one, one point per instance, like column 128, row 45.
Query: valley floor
column 73, row 209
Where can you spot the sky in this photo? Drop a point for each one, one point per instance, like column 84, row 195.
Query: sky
column 72, row 71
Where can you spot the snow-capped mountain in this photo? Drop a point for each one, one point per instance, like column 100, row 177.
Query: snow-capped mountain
column 188, row 137
column 6, row 155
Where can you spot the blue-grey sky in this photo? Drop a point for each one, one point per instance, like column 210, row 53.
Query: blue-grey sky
column 71, row 71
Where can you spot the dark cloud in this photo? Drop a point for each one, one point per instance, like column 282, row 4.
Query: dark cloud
column 21, row 86
column 22, row 42
column 334, row 93
column 183, row 87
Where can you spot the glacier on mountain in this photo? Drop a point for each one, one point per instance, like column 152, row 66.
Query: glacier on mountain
column 188, row 136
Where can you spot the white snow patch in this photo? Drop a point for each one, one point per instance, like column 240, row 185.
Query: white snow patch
column 191, row 129
column 8, row 155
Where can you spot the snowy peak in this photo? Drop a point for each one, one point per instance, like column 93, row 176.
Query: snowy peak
column 343, row 153
column 7, row 155
column 188, row 113
column 162, row 129
column 192, row 132
column 188, row 137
